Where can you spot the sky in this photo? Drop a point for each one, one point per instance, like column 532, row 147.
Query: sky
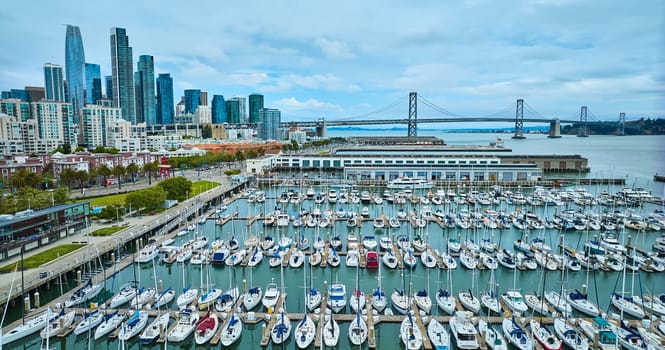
column 360, row 59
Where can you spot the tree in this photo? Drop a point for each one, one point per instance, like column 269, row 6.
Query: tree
column 22, row 178
column 79, row 149
column 61, row 195
column 261, row 151
column 206, row 132
column 104, row 171
column 149, row 199
column 132, row 169
column 68, row 176
column 119, row 171
column 176, row 187
column 150, row 168
column 240, row 155
column 82, row 177
column 251, row 154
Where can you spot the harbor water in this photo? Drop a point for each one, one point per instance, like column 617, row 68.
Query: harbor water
column 637, row 158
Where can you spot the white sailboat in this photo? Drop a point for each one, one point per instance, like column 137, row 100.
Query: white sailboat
column 110, row 323
column 438, row 335
column 330, row 331
column 231, row 331
column 410, row 333
column 134, row 325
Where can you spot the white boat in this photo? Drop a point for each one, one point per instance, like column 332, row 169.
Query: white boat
column 428, row 259
column 410, row 334
column 143, row 297
column 389, row 260
column 337, row 297
column 187, row 320
column 402, row 183
column 516, row 335
column 579, row 302
column 110, row 323
column 627, row 305
column 163, row 299
column 252, row 298
column 357, row 300
column 85, row 293
column 227, row 301
column 400, row 301
column 514, row 301
column 493, row 339
column 187, row 297
column 281, row 331
column 330, row 331
column 445, row 301
column 297, row 258
column 559, row 302
column 209, row 297
column 536, row 304
column 469, row 301
column 333, row 258
column 423, row 300
column 270, row 296
column 255, row 258
column 147, row 254
column 124, row 295
column 490, row 302
column 304, row 332
column 58, row 325
column 599, row 328
column 438, row 335
column 155, row 328
column 352, row 258
column 651, row 304
column 90, row 320
column 231, row 331
column 463, row 331
column 543, row 336
column 570, row 336
column 467, row 260
column 206, row 328
column 358, row 331
column 31, row 325
column 134, row 325
column 315, row 258
column 408, row 259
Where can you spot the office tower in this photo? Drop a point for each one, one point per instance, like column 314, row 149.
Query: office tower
column 74, row 66
column 232, row 111
column 122, row 66
column 164, row 99
column 53, row 82
column 95, row 121
column 144, row 79
column 255, row 105
column 192, row 99
column 218, row 109
column 203, row 100
column 93, row 83
column 35, row 93
column 108, row 85
column 268, row 124
column 19, row 94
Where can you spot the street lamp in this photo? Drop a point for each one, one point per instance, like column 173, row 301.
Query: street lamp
column 117, row 217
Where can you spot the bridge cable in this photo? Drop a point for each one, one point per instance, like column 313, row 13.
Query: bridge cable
column 437, row 108
column 375, row 112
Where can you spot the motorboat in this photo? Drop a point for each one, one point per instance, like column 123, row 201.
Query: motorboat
column 438, row 335
column 206, row 328
column 543, row 336
column 154, row 330
column 358, row 331
column 231, row 331
column 569, row 335
column 281, row 331
column 463, row 331
column 134, row 325
column 337, row 297
column 111, row 322
column 147, row 254
column 389, row 260
column 385, row 243
column 352, row 258
column 403, row 183
column 187, row 320
column 304, row 332
column 59, row 324
column 599, row 328
column 516, row 334
column 90, row 320
column 220, row 255
column 410, row 334
column 371, row 259
column 30, row 326
column 514, row 301
column 270, row 296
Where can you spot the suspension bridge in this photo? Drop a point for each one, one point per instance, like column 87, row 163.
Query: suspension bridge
column 445, row 117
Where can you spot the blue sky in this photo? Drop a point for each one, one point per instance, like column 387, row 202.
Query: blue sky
column 344, row 59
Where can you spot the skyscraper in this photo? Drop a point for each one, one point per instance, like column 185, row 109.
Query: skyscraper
column 35, row 93
column 232, row 111
column 203, row 100
column 268, row 125
column 74, row 66
column 93, row 83
column 122, row 66
column 53, row 82
column 255, row 105
column 109, row 87
column 218, row 109
column 192, row 100
column 145, row 90
column 165, row 99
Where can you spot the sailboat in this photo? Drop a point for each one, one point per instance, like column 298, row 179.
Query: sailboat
column 489, row 299
column 493, row 339
column 90, row 320
column 358, row 328
column 330, row 331
column 281, row 330
column 410, row 333
column 110, row 323
column 252, row 297
column 134, row 325
column 85, row 293
column 58, row 325
column 161, row 322
column 516, row 334
column 570, row 336
column 438, row 335
column 379, row 300
column 189, row 295
column 206, row 327
column 312, row 296
column 304, row 332
column 231, row 331
column 548, row 340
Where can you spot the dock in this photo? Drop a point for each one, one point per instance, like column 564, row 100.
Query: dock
column 318, row 338
column 371, row 336
column 419, row 323
column 265, row 340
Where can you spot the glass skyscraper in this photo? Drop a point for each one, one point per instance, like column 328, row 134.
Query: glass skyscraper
column 165, row 107
column 74, row 66
column 53, row 82
column 93, row 83
column 268, row 125
column 109, row 87
column 122, row 66
column 192, row 99
column 145, row 90
column 255, row 105
column 232, row 111
column 218, row 109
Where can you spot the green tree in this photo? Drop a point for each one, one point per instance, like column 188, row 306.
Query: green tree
column 132, row 169
column 22, row 178
column 148, row 199
column 150, row 169
column 104, row 171
column 79, row 149
column 261, row 151
column 240, row 155
column 82, row 177
column 61, row 195
column 251, row 154
column 295, row 145
column 206, row 132
column 68, row 176
column 119, row 171
column 176, row 187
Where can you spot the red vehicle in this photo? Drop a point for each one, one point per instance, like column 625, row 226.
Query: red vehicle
column 110, row 182
column 372, row 259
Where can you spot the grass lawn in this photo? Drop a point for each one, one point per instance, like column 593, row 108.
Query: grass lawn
column 107, row 200
column 43, row 257
column 202, row 186
column 107, row 231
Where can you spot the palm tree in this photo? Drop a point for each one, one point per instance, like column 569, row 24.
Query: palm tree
column 150, row 168
column 68, row 176
column 132, row 169
column 104, row 171
column 119, row 171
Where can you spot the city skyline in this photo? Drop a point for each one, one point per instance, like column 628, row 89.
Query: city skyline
column 464, row 57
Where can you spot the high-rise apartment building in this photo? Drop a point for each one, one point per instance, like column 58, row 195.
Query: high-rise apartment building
column 255, row 105
column 122, row 67
column 165, row 108
column 55, row 121
column 144, row 79
column 53, row 82
column 74, row 66
column 95, row 121
column 192, row 99
column 108, row 87
column 16, row 108
column 268, row 125
column 93, row 83
column 218, row 109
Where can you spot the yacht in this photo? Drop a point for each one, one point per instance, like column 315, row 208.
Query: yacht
column 358, row 331
column 402, row 183
column 579, row 302
column 147, row 254
column 463, row 331
column 187, row 320
column 90, row 320
column 85, row 293
column 154, row 330
column 126, row 293
column 570, row 336
column 30, row 326
column 330, row 331
column 59, row 324
column 544, row 336
column 304, row 332
column 337, row 297
column 231, row 331
column 110, row 323
column 599, row 328
column 493, row 339
column 514, row 301
column 270, row 296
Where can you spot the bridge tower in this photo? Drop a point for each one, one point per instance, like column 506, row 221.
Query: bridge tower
column 519, row 119
column 413, row 114
column 622, row 122
column 555, row 129
column 581, row 130
column 321, row 127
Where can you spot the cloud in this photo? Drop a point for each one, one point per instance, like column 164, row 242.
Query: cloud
column 292, row 103
column 334, row 49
